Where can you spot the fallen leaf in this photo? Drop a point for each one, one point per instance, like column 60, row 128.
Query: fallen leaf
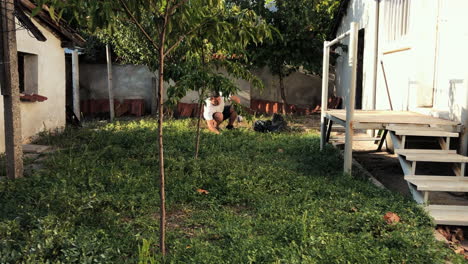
column 201, row 191
column 464, row 244
column 459, row 234
column 391, row 218
column 459, row 250
column 439, row 237
column 444, row 232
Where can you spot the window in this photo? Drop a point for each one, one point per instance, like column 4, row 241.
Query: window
column 396, row 19
column 28, row 73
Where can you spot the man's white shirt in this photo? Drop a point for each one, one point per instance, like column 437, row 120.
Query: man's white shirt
column 210, row 109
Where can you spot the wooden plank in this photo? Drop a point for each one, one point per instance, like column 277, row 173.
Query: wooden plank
column 449, row 214
column 431, row 157
column 329, row 130
column 382, row 140
column 425, row 133
column 393, row 117
column 439, row 183
column 375, row 126
column 393, row 127
column 396, row 50
column 424, row 151
column 435, row 177
column 356, row 139
column 337, row 120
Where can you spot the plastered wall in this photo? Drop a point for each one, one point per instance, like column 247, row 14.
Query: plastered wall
column 50, row 114
column 134, row 82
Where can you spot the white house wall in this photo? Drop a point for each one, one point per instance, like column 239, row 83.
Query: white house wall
column 360, row 11
column 451, row 73
column 50, row 114
column 409, row 61
column 425, row 69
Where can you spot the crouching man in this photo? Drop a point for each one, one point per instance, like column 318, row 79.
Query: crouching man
column 216, row 112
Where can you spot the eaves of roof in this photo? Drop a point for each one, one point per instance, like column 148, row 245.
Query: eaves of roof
column 340, row 13
column 69, row 37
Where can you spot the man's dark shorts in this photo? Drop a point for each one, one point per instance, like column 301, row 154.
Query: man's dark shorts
column 226, row 112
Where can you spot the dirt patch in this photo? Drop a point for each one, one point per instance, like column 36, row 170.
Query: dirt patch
column 174, row 219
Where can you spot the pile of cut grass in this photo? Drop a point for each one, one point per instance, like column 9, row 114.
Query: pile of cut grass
column 272, row 198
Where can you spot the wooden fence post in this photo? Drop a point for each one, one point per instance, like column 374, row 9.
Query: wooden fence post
column 109, row 83
column 9, row 81
column 76, row 84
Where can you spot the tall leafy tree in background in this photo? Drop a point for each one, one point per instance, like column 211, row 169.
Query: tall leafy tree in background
column 303, row 24
column 154, row 32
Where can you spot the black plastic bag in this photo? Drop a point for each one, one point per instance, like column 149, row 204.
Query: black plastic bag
column 277, row 124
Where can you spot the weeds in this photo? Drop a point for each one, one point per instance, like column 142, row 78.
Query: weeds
column 96, row 202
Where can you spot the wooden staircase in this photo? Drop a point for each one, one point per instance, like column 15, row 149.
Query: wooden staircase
column 421, row 186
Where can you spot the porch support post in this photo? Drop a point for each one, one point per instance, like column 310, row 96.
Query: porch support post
column 9, row 82
column 324, row 108
column 76, row 84
column 375, row 62
column 353, row 45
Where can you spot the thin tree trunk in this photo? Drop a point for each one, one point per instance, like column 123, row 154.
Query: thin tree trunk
column 200, row 106
column 154, row 97
column 200, row 109
column 162, row 225
column 283, row 93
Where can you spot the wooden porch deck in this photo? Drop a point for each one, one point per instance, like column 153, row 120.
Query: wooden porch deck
column 371, row 119
column 399, row 125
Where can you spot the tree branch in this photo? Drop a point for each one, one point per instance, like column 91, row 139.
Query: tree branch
column 181, row 38
column 174, row 7
column 127, row 10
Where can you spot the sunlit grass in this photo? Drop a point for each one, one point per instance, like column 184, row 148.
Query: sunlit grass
column 272, row 198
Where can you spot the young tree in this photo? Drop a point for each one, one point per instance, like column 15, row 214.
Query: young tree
column 156, row 29
column 303, row 24
column 220, row 44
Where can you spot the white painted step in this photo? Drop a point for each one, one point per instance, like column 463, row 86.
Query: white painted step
column 408, row 127
column 449, row 214
column 436, row 157
column 33, row 148
column 356, row 139
column 425, row 133
column 424, row 151
column 439, row 183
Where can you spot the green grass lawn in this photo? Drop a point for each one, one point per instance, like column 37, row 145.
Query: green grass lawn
column 273, row 198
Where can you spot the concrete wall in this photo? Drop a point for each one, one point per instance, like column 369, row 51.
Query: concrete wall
column 425, row 69
column 301, row 89
column 50, row 114
column 134, row 82
column 129, row 82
